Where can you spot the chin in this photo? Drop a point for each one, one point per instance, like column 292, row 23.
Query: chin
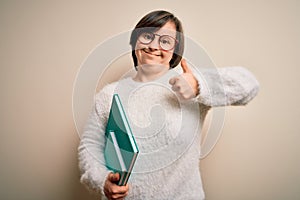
column 153, row 64
column 150, row 62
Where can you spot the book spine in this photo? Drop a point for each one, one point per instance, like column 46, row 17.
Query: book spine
column 131, row 166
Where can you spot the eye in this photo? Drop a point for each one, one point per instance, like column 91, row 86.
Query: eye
column 147, row 36
column 166, row 41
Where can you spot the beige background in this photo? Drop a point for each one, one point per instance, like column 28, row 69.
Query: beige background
column 43, row 43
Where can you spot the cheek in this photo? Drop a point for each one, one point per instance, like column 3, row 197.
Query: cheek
column 139, row 46
column 168, row 56
column 138, row 55
column 138, row 49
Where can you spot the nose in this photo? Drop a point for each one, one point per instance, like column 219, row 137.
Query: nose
column 154, row 44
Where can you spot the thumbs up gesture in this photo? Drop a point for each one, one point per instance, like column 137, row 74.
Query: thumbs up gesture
column 185, row 85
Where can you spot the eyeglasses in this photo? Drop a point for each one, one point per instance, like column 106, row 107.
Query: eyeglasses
column 166, row 42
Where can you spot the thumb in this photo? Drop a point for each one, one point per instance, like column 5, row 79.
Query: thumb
column 185, row 67
column 114, row 177
column 173, row 80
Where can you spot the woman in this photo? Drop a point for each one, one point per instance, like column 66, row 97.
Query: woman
column 163, row 109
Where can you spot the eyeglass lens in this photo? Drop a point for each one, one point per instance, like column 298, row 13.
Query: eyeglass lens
column 166, row 42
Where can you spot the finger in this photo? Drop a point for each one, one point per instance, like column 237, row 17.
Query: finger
column 123, row 189
column 119, row 192
column 117, row 196
column 185, row 67
column 114, row 177
column 173, row 80
column 176, row 88
column 115, row 189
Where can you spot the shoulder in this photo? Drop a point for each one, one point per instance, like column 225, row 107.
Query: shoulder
column 103, row 98
column 106, row 91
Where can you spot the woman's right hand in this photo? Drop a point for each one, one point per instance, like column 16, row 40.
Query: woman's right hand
column 112, row 190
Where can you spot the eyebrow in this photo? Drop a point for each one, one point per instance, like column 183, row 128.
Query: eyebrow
column 169, row 34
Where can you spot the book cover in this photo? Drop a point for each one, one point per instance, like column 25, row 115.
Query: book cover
column 121, row 149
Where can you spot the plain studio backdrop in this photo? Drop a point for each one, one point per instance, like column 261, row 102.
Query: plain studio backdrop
column 43, row 44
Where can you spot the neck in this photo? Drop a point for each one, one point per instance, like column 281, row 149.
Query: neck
column 147, row 73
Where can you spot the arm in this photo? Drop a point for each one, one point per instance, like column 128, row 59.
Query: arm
column 215, row 87
column 95, row 175
column 91, row 148
column 226, row 86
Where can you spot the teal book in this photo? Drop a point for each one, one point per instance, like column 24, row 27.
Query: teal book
column 121, row 149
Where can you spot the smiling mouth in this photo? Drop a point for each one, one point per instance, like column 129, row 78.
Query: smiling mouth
column 148, row 52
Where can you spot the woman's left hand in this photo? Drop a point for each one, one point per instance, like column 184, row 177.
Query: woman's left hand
column 185, row 85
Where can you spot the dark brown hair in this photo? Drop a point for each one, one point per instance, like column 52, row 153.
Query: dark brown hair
column 154, row 21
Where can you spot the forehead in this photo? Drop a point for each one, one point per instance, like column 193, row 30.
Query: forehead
column 168, row 29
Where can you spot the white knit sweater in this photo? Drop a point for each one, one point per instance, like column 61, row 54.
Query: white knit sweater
column 167, row 131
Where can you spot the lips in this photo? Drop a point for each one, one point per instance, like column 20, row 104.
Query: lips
column 150, row 53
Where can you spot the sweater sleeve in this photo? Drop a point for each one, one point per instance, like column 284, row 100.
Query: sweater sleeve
column 92, row 143
column 226, row 86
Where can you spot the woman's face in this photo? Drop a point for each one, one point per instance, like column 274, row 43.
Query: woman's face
column 152, row 53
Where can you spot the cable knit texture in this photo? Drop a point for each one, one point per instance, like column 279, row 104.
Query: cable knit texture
column 167, row 131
